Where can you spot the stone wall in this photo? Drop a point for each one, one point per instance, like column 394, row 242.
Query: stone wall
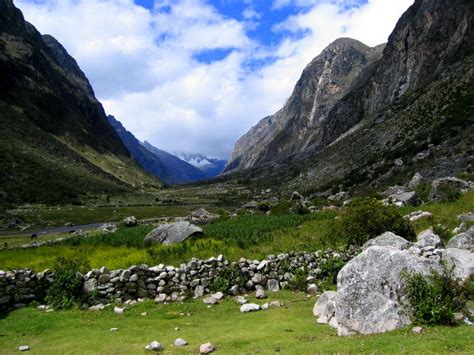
column 170, row 283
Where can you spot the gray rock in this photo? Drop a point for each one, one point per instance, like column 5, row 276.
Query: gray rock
column 180, row 342
column 415, row 181
column 325, row 307
column 339, row 197
column 173, row 232
column 241, row 300
column 461, row 260
column 154, row 346
column 387, row 239
column 198, row 291
column 90, row 285
column 417, row 330
column 428, row 239
column 260, row 294
column 463, row 240
column 210, row 300
column 466, row 217
column 249, row 307
column 370, row 289
column 218, row 296
column 275, row 304
column 206, row 348
column 312, row 289
column 23, row 348
column 273, row 285
column 130, row 221
column 453, row 183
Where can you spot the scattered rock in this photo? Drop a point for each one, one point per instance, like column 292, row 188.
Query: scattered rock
column 466, row 217
column 260, row 294
column 206, row 348
column 415, row 181
column 312, row 289
column 119, row 310
column 210, row 300
column 325, row 307
column 180, row 342
column 130, row 221
column 241, row 300
column 172, row 233
column 339, row 197
column 113, row 330
column 144, row 314
column 414, row 216
column 417, row 330
column 273, row 285
column 428, row 239
column 198, row 291
column 249, row 307
column 23, row 348
column 275, row 304
column 218, row 296
column 154, row 346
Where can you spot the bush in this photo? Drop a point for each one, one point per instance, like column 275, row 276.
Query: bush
column 66, row 288
column 282, row 207
column 330, row 268
column 423, row 190
column 447, row 192
column 298, row 282
column 228, row 277
column 263, row 207
column 433, row 299
column 366, row 219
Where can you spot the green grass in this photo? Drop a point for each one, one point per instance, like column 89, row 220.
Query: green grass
column 275, row 234
column 288, row 330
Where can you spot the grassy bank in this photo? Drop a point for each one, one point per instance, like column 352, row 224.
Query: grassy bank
column 288, row 330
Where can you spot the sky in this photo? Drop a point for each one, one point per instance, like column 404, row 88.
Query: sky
column 195, row 75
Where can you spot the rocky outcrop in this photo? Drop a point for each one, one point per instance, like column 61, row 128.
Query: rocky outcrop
column 172, row 233
column 402, row 112
column 301, row 122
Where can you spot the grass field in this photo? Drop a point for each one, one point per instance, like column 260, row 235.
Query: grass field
column 288, row 330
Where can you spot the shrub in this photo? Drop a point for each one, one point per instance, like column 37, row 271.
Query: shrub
column 298, row 282
column 228, row 277
column 281, row 207
column 443, row 232
column 366, row 219
column 300, row 209
column 66, row 288
column 263, row 207
column 447, row 192
column 423, row 190
column 330, row 268
column 433, row 299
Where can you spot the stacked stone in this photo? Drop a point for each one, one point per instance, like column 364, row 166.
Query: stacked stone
column 20, row 287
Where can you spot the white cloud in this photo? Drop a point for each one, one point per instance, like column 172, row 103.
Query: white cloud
column 142, row 64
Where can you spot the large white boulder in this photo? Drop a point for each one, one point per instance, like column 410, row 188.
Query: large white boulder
column 370, row 290
column 387, row 239
column 172, row 233
column 461, row 260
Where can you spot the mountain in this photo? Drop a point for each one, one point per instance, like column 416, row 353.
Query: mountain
column 210, row 166
column 362, row 117
column 55, row 141
column 158, row 163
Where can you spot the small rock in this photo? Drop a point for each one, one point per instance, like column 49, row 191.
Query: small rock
column 218, row 296
column 312, row 289
column 249, row 307
column 275, row 304
column 210, row 300
column 113, row 330
column 458, row 316
column 206, row 348
column 119, row 310
column 260, row 294
column 144, row 314
column 176, row 328
column 198, row 291
column 417, row 330
column 241, row 300
column 264, row 306
column 154, row 346
column 23, row 348
column 180, row 342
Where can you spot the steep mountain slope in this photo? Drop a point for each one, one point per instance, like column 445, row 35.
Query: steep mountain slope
column 210, row 166
column 415, row 103
column 301, row 123
column 56, row 143
column 179, row 171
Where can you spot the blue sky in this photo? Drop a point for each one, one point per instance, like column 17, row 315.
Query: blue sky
column 194, row 75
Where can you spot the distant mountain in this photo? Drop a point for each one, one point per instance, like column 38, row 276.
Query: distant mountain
column 210, row 166
column 361, row 116
column 179, row 170
column 55, row 141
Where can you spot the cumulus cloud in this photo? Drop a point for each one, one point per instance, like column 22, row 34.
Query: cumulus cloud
column 143, row 64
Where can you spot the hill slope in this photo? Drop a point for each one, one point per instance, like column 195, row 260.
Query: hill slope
column 414, row 103
column 56, row 143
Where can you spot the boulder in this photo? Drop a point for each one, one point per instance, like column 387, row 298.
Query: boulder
column 463, row 240
column 415, row 181
column 428, row 239
column 452, row 183
column 461, row 260
column 370, row 290
column 130, row 221
column 180, row 342
column 249, row 307
column 387, row 239
column 260, row 294
column 206, row 348
column 325, row 307
column 172, row 233
column 339, row 197
column 154, row 346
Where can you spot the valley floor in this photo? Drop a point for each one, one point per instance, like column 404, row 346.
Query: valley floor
column 291, row 329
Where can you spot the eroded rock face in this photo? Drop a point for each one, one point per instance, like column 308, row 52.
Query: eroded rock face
column 173, row 232
column 370, row 290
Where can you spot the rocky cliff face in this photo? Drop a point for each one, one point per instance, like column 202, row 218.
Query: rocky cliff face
column 56, row 143
column 301, row 123
column 412, row 103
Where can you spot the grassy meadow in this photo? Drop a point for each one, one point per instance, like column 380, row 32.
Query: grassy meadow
column 288, row 330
